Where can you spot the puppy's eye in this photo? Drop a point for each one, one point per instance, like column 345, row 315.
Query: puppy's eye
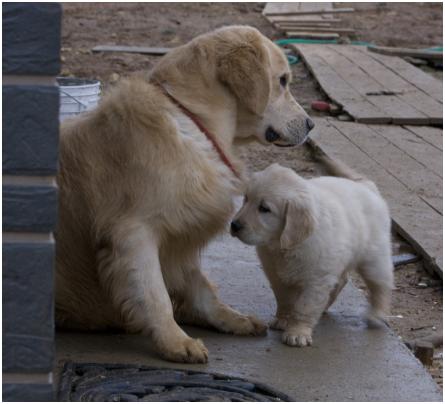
column 245, row 199
column 263, row 208
column 283, row 80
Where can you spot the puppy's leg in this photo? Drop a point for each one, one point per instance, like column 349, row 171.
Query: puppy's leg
column 285, row 297
column 379, row 278
column 129, row 270
column 201, row 306
column 307, row 310
column 336, row 291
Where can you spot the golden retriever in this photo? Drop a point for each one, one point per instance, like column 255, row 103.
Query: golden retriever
column 147, row 179
column 309, row 234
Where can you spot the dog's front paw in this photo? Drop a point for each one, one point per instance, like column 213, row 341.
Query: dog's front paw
column 186, row 350
column 249, row 325
column 279, row 323
column 297, row 336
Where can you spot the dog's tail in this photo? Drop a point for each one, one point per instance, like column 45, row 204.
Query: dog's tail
column 337, row 168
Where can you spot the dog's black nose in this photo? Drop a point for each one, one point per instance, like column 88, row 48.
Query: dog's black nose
column 309, row 124
column 271, row 135
column 235, row 226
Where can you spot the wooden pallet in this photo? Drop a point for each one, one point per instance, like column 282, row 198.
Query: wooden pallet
column 406, row 164
column 375, row 88
column 307, row 20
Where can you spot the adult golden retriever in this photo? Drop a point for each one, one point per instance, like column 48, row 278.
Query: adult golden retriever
column 143, row 188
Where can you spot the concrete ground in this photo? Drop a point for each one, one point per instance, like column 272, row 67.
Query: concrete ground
column 347, row 362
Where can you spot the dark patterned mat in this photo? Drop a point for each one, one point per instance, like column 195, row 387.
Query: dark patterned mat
column 107, row 382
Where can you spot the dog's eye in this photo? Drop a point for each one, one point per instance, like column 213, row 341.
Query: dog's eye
column 283, row 80
column 263, row 208
column 245, row 199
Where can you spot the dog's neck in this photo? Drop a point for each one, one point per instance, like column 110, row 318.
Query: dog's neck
column 217, row 124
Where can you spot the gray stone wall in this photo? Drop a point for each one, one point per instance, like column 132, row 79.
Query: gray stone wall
column 31, row 60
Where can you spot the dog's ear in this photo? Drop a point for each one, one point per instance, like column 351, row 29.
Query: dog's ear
column 299, row 225
column 244, row 68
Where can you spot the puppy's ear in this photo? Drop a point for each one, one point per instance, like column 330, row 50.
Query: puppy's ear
column 244, row 68
column 299, row 225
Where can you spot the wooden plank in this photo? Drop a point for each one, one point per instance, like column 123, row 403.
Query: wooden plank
column 433, row 136
column 278, row 8
column 131, row 49
column 340, row 90
column 312, row 35
column 405, row 91
column 298, row 22
column 415, row 220
column 366, row 85
column 423, row 81
column 289, row 26
column 426, row 154
column 295, row 30
column 414, row 175
column 415, row 53
column 305, row 19
column 312, row 12
column 388, row 92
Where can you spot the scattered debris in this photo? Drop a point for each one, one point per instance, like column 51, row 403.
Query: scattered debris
column 423, row 348
column 320, row 106
column 344, row 117
column 403, row 259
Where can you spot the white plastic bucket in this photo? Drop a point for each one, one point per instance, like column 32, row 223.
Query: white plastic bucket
column 77, row 96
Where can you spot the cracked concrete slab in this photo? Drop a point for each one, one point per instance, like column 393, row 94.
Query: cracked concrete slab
column 348, row 361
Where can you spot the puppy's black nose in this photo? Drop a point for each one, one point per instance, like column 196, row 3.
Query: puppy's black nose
column 235, row 226
column 309, row 124
column 271, row 135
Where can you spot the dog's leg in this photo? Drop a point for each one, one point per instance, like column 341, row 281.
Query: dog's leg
column 378, row 276
column 201, row 306
column 308, row 308
column 129, row 270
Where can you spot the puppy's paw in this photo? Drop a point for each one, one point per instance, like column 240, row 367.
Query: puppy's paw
column 297, row 336
column 279, row 323
column 187, row 350
column 249, row 325
column 376, row 321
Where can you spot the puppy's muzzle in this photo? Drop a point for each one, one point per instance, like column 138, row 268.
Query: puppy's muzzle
column 235, row 227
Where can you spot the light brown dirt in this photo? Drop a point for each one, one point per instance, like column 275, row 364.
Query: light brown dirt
column 86, row 25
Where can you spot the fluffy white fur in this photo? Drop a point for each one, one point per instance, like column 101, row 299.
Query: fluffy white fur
column 142, row 190
column 309, row 234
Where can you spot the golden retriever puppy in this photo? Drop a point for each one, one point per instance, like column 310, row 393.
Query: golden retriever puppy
column 309, row 234
column 147, row 179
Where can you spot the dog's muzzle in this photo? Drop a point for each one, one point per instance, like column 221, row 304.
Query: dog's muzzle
column 272, row 136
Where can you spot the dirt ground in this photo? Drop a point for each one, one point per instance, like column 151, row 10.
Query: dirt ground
column 417, row 310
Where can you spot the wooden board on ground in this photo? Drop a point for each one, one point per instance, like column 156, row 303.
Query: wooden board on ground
column 131, row 49
column 306, row 19
column 272, row 9
column 415, row 53
column 312, row 12
column 375, row 88
column 406, row 178
column 312, row 35
column 296, row 30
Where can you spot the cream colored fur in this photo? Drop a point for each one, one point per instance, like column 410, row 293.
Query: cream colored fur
column 142, row 190
column 316, row 231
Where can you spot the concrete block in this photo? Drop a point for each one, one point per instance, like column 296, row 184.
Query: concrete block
column 27, row 392
column 30, row 129
column 28, row 309
column 29, row 208
column 31, row 38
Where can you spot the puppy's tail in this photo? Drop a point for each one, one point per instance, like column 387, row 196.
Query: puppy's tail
column 337, row 168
